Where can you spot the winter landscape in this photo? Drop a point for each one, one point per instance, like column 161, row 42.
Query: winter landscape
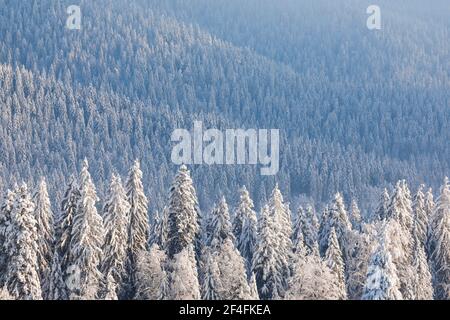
column 224, row 150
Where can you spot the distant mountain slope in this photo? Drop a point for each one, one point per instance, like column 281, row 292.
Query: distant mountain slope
column 115, row 90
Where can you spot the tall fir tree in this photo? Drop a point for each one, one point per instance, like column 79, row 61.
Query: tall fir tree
column 382, row 281
column 5, row 223
column 183, row 213
column 245, row 228
column 22, row 274
column 306, row 228
column 138, row 229
column 116, row 222
column 86, row 243
column 220, row 226
column 151, row 276
column 160, row 232
column 45, row 232
column 423, row 287
column 64, row 225
column 266, row 265
column 401, row 239
column 184, row 283
column 57, row 289
column 211, row 286
column 440, row 243
column 420, row 220
column 334, row 260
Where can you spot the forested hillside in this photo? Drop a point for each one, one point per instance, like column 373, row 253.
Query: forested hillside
column 358, row 109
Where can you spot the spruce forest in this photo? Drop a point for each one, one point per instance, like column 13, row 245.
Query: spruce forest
column 93, row 206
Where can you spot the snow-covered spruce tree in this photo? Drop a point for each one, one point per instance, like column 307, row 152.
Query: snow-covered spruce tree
column 64, row 224
column 5, row 222
column 355, row 215
column 220, row 226
column 358, row 251
column 116, row 222
column 335, row 217
column 45, row 232
column 183, row 213
column 401, row 239
column 266, row 265
column 22, row 274
column 151, row 278
column 281, row 215
column 429, row 208
column 382, row 281
column 83, row 275
column 306, row 227
column 423, row 287
column 335, row 261
column 211, row 285
column 57, row 289
column 138, row 229
column 420, row 220
column 109, row 289
column 382, row 209
column 440, row 243
column 160, row 231
column 183, row 277
column 245, row 228
column 312, row 280
column 232, row 273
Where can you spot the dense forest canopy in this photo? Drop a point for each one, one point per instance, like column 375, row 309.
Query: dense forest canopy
column 358, row 109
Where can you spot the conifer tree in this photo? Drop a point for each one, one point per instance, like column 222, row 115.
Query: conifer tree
column 335, row 262
column 183, row 277
column 183, row 213
column 64, row 225
column 420, row 224
column 220, row 228
column 57, row 289
column 253, row 288
column 245, row 228
column 116, row 222
column 423, row 288
column 5, row 223
column 266, row 266
column 45, row 232
column 138, row 228
column 440, row 243
column 160, row 232
column 382, row 209
column 22, row 274
column 305, row 229
column 211, row 282
column 355, row 215
column 382, row 281
column 86, row 243
column 151, row 276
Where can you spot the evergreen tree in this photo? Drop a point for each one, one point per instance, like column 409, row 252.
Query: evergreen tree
column 211, row 282
column 266, row 265
column 183, row 213
column 382, row 281
column 116, row 221
column 232, row 273
column 245, row 228
column 57, row 288
column 335, row 262
column 220, row 226
column 138, row 229
column 401, row 240
column 22, row 274
column 45, row 232
column 150, row 275
column 86, row 243
column 184, row 278
column 381, row 212
column 355, row 215
column 335, row 217
column 5, row 223
column 423, row 288
column 160, row 232
column 64, row 225
column 305, row 229
column 420, row 223
column 440, row 243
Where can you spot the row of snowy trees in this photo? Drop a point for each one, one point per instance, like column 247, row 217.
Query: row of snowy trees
column 402, row 252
